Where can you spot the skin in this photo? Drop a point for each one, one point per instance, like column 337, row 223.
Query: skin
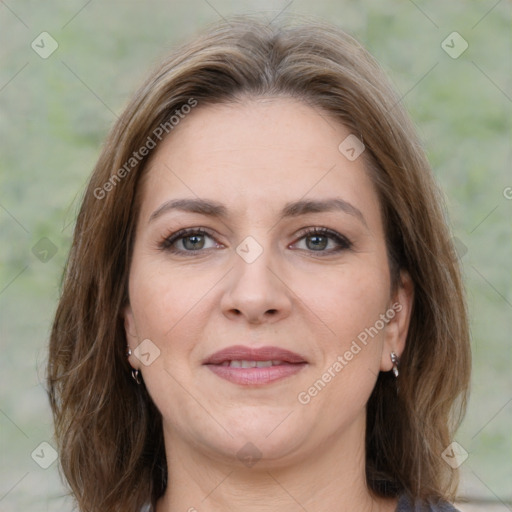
column 299, row 294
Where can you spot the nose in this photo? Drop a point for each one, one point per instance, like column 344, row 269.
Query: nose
column 255, row 292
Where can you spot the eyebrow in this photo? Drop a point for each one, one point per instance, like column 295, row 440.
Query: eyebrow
column 292, row 209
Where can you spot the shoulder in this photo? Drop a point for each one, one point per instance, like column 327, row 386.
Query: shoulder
column 406, row 504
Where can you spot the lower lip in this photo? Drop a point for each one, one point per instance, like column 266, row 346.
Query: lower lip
column 256, row 376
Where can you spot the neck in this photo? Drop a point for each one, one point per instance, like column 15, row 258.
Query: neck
column 331, row 477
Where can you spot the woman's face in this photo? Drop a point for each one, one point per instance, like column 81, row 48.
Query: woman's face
column 284, row 247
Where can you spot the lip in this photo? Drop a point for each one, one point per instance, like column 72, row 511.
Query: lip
column 292, row 363
column 241, row 352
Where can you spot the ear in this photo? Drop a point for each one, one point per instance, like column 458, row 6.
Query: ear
column 132, row 339
column 399, row 313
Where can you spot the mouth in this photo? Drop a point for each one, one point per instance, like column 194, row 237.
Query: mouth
column 246, row 363
column 254, row 366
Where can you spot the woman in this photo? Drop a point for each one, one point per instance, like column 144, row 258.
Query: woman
column 262, row 309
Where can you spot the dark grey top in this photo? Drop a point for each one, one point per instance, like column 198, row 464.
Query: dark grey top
column 404, row 505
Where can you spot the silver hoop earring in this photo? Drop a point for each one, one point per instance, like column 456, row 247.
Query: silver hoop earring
column 396, row 361
column 136, row 376
column 135, row 373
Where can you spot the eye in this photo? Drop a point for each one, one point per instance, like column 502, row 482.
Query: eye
column 195, row 240
column 188, row 240
column 323, row 240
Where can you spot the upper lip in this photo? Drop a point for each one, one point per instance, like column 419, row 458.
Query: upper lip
column 243, row 353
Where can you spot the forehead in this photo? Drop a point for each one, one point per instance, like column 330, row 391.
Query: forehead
column 262, row 152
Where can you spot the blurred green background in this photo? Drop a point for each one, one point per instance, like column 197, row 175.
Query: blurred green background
column 55, row 112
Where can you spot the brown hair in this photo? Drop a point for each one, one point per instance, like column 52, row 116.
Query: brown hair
column 109, row 432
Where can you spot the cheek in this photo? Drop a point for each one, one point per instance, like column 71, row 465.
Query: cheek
column 161, row 300
column 347, row 301
column 168, row 310
column 351, row 346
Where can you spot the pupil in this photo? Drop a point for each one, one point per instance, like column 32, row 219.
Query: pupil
column 195, row 242
column 319, row 242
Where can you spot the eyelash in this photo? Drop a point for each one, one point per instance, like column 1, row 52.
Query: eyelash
column 167, row 243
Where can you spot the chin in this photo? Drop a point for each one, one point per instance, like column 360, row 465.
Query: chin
column 268, row 440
